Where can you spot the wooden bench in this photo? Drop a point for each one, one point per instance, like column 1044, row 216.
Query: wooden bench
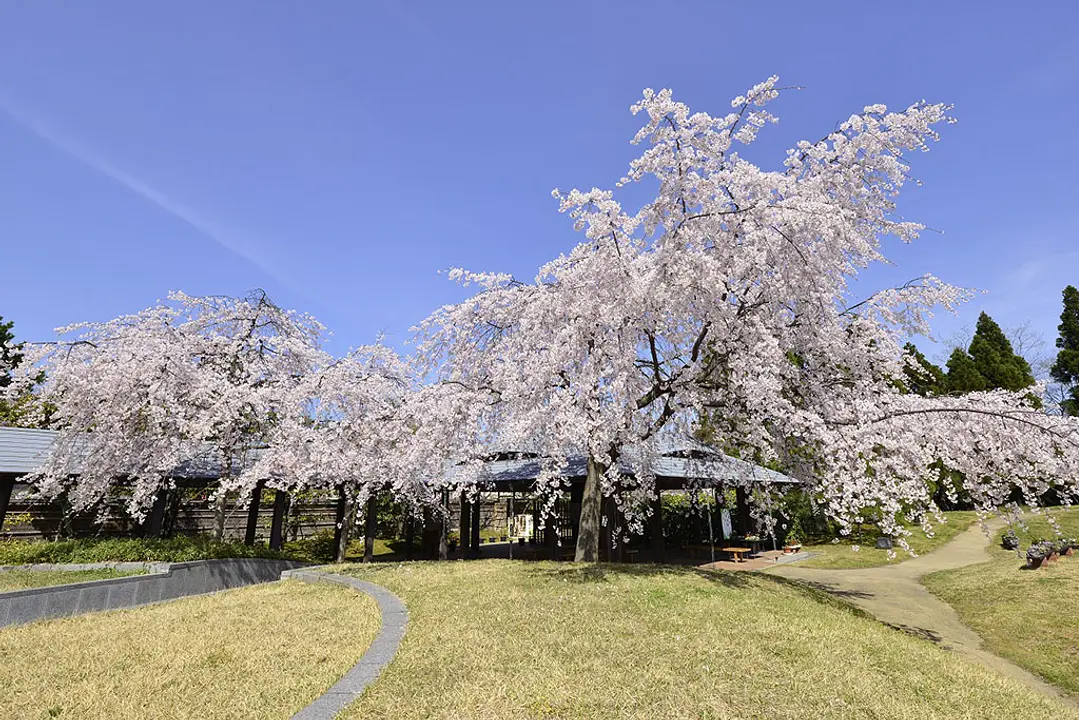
column 736, row 552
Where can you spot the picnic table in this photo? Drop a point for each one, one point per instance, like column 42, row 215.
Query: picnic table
column 736, row 552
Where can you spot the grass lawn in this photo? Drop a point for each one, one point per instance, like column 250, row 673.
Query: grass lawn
column 1028, row 616
column 505, row 639
column 263, row 651
column 23, row 579
column 842, row 555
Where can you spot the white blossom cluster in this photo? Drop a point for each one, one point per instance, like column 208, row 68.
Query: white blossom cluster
column 726, row 298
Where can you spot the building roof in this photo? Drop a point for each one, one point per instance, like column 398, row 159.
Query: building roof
column 23, row 450
column 682, row 459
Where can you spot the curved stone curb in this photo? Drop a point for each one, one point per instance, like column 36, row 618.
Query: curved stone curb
column 374, row 661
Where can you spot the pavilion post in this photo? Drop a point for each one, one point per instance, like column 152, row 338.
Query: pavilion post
column 509, row 520
column 7, row 484
column 443, row 550
column 410, row 535
column 339, row 532
column 464, row 531
column 474, row 544
column 370, row 528
column 745, row 520
column 658, row 544
column 277, row 524
column 551, row 533
column 253, row 513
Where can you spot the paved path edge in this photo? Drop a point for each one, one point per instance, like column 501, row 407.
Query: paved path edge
column 379, row 655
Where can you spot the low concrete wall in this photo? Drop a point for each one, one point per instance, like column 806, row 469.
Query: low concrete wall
column 178, row 580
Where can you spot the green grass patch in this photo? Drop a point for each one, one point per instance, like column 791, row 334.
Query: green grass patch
column 263, row 651
column 1028, row 616
column 25, row 579
column 505, row 639
column 842, row 555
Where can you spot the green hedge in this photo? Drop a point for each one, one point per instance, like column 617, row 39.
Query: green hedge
column 91, row 550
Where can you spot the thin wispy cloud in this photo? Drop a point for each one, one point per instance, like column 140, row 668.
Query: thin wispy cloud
column 31, row 122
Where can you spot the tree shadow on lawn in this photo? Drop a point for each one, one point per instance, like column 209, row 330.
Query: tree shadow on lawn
column 601, row 572
column 749, row 581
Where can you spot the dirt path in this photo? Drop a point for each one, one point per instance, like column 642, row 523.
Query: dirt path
column 894, row 596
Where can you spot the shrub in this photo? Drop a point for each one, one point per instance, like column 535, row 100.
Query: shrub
column 93, row 550
column 1009, row 541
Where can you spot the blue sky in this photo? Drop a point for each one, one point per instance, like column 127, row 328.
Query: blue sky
column 340, row 154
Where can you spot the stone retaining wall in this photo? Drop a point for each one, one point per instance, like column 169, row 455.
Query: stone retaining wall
column 175, row 581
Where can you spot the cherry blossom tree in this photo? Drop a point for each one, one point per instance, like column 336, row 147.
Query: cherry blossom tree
column 729, row 295
column 139, row 396
column 350, row 426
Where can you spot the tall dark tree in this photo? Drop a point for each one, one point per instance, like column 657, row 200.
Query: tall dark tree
column 10, row 358
column 963, row 375
column 1065, row 369
column 20, row 411
column 925, row 378
column 10, row 352
column 996, row 360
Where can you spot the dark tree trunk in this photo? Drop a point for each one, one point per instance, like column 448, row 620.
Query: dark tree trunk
column 346, row 518
column 370, row 528
column 277, row 525
column 474, row 543
column 588, row 530
column 443, row 549
column 156, row 523
column 253, row 513
column 464, row 531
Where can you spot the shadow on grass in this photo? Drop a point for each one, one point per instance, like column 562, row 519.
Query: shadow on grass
column 918, row 632
column 601, row 572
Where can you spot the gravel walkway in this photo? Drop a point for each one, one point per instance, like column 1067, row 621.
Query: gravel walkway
column 894, row 596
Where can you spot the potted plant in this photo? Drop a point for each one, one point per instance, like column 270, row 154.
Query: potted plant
column 793, row 542
column 1064, row 547
column 1035, row 557
column 503, row 538
column 1009, row 541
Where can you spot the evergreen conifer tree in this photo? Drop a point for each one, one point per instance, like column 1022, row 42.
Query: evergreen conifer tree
column 963, row 375
column 927, row 379
column 1065, row 369
column 996, row 360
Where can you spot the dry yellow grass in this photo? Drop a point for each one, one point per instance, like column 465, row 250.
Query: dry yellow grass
column 503, row 639
column 258, row 652
column 24, row 579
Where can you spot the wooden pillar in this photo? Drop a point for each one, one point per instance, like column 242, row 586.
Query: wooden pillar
column 277, row 525
column 551, row 534
column 7, row 484
column 474, row 542
column 340, row 513
column 370, row 528
column 659, row 546
column 444, row 529
column 410, row 535
column 744, row 519
column 253, row 513
column 464, row 531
